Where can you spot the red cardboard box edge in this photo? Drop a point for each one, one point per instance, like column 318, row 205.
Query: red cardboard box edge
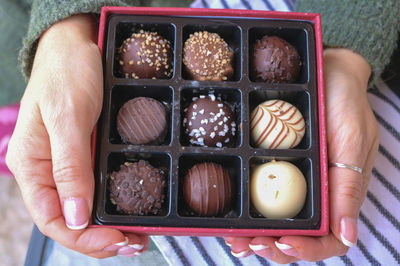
column 179, row 231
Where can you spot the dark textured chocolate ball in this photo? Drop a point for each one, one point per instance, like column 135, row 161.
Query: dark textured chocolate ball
column 207, row 56
column 208, row 189
column 274, row 60
column 142, row 120
column 146, row 55
column 209, row 122
column 138, row 188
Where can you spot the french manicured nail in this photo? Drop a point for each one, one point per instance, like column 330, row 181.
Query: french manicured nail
column 265, row 250
column 138, row 247
column 76, row 213
column 128, row 251
column 287, row 249
column 228, row 244
column 133, row 255
column 348, row 231
column 240, row 254
column 117, row 245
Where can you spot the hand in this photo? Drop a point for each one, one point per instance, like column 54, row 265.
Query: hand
column 49, row 152
column 353, row 138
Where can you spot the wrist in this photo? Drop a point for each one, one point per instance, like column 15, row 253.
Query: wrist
column 351, row 65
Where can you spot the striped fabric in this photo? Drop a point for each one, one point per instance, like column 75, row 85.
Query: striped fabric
column 379, row 222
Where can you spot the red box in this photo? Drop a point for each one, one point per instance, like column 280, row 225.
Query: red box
column 319, row 202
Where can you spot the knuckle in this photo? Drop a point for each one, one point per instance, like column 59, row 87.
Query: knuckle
column 351, row 189
column 66, row 173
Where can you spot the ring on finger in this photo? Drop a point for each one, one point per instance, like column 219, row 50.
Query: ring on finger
column 347, row 166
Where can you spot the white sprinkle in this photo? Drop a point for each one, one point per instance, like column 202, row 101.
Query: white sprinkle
column 212, row 120
column 227, row 140
column 141, row 181
column 212, row 135
column 200, row 140
column 225, row 119
column 202, row 96
column 194, row 106
column 208, row 53
column 219, row 115
column 201, row 111
column 226, row 128
column 194, row 114
column 204, row 121
column 212, row 97
column 214, row 186
column 190, row 123
column 218, row 144
column 194, row 98
column 233, row 124
column 216, row 128
column 185, row 110
column 221, row 133
column 212, row 114
column 220, row 105
column 184, row 120
column 220, row 123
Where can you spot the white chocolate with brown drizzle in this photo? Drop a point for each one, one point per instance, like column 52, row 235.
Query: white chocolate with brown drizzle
column 278, row 189
column 276, row 124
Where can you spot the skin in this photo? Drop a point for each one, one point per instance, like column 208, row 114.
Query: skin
column 49, row 152
column 353, row 138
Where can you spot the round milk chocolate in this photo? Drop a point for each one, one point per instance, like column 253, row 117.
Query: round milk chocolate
column 207, row 189
column 142, row 120
column 274, row 60
column 209, row 122
column 207, row 56
column 146, row 55
column 276, row 124
column 137, row 188
column 278, row 189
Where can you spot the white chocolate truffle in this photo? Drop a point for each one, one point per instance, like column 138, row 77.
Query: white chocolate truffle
column 278, row 189
column 276, row 124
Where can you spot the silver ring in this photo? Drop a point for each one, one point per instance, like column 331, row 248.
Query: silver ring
column 347, row 166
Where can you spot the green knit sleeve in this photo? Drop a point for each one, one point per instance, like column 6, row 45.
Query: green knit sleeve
column 367, row 27
column 44, row 13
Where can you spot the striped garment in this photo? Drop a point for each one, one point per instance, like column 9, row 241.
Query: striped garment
column 379, row 221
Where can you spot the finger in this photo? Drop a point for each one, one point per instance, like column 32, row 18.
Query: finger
column 239, row 246
column 265, row 247
column 304, row 248
column 346, row 194
column 136, row 246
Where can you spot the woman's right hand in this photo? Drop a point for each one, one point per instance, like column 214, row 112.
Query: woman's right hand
column 49, row 152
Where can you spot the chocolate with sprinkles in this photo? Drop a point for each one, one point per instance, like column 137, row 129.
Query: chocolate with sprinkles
column 138, row 188
column 209, row 122
column 207, row 57
column 146, row 55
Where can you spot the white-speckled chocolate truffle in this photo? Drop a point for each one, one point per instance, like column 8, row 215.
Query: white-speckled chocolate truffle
column 276, row 124
column 278, row 189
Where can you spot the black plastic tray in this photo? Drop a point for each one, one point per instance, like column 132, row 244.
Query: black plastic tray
column 175, row 156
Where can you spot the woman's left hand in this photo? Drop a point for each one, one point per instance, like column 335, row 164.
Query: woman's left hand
column 353, row 139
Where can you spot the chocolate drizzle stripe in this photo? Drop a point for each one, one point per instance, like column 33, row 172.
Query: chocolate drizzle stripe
column 146, row 114
column 279, row 134
column 266, row 133
column 255, row 114
column 271, row 104
column 137, row 123
column 128, row 127
column 284, row 136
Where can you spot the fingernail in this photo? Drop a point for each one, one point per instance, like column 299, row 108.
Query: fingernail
column 348, row 231
column 228, row 244
column 117, row 245
column 287, row 249
column 126, row 251
column 240, row 254
column 264, row 250
column 76, row 213
column 138, row 247
column 133, row 255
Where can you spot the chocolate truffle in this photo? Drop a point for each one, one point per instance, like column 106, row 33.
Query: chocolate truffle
column 207, row 189
column 278, row 189
column 142, row 120
column 207, row 57
column 274, row 60
column 146, row 55
column 276, row 124
column 137, row 188
column 209, row 122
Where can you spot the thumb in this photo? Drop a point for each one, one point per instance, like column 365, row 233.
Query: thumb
column 346, row 197
column 72, row 171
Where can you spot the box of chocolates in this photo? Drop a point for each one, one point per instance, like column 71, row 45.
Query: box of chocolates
column 212, row 123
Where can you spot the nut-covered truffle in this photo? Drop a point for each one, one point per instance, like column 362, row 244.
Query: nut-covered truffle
column 137, row 188
column 207, row 189
column 274, row 60
column 278, row 189
column 207, row 57
column 209, row 122
column 276, row 124
column 146, row 55
column 142, row 120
